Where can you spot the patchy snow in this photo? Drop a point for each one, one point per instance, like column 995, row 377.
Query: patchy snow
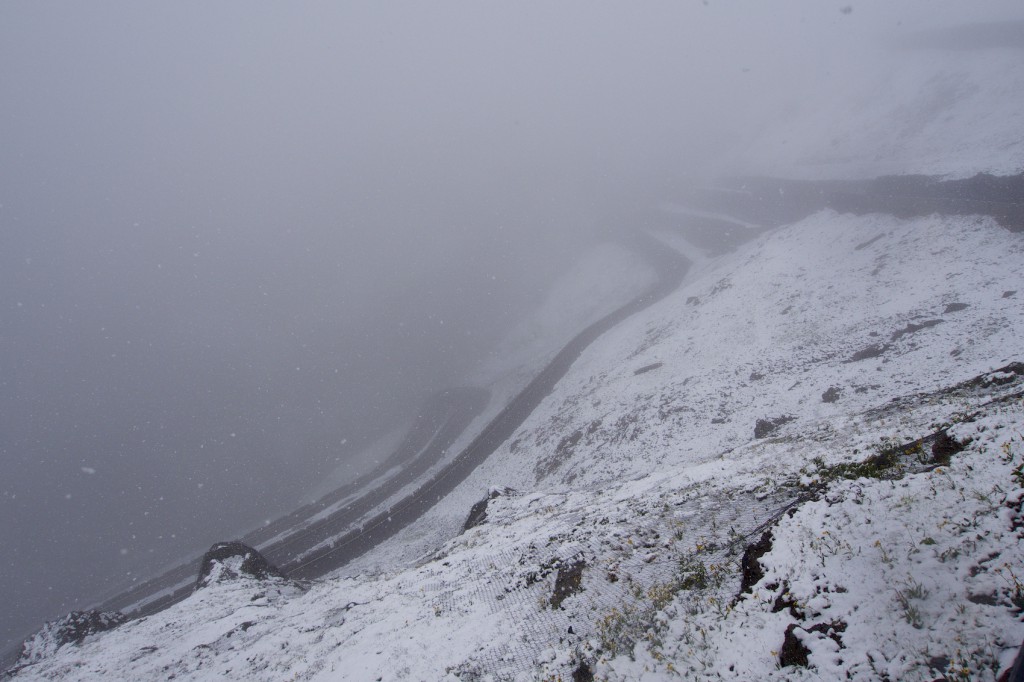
column 907, row 579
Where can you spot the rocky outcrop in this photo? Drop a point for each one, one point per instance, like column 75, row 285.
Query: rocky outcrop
column 765, row 427
column 70, row 629
column 875, row 350
column 227, row 561
column 751, row 570
column 478, row 512
column 831, row 395
column 568, row 581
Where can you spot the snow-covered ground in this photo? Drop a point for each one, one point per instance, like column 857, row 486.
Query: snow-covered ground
column 648, row 482
column 631, row 492
column 896, row 110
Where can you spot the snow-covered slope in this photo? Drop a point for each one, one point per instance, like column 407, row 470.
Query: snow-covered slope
column 770, row 392
column 632, row 485
column 897, row 110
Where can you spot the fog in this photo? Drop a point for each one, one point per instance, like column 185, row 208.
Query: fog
column 239, row 241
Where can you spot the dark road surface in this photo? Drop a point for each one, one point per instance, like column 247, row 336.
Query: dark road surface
column 440, row 421
column 773, row 201
column 670, row 267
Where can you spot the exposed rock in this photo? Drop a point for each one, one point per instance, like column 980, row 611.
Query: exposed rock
column 955, row 308
column 1015, row 673
column 785, row 601
column 567, row 582
column 831, row 395
column 944, row 447
column 831, row 630
column 911, row 328
column 793, row 651
column 70, row 629
column 864, row 245
column 875, row 350
column 998, row 377
column 648, row 368
column 227, row 561
column 751, row 562
column 984, row 598
column 566, row 445
column 765, row 427
column 583, row 673
column 1010, row 294
column 478, row 512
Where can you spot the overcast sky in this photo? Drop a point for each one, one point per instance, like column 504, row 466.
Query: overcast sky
column 240, row 239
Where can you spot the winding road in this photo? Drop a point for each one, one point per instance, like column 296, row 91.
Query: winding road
column 322, row 536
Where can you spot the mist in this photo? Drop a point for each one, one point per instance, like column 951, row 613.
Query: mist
column 241, row 241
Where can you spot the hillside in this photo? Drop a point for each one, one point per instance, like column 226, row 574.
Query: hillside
column 803, row 463
column 641, row 472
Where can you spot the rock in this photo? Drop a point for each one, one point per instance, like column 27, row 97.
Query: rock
column 1015, row 673
column 647, row 368
column 864, row 245
column 831, row 395
column 784, row 601
column 478, row 512
column 583, row 673
column 875, row 350
column 944, row 447
column 832, row 630
column 793, row 651
column 765, row 427
column 751, row 562
column 227, row 561
column 911, row 328
column 70, row 629
column 955, row 308
column 568, row 582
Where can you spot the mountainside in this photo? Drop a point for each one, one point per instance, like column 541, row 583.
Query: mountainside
column 805, row 462
column 634, row 487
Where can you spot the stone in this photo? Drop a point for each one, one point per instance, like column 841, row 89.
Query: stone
column 226, row 561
